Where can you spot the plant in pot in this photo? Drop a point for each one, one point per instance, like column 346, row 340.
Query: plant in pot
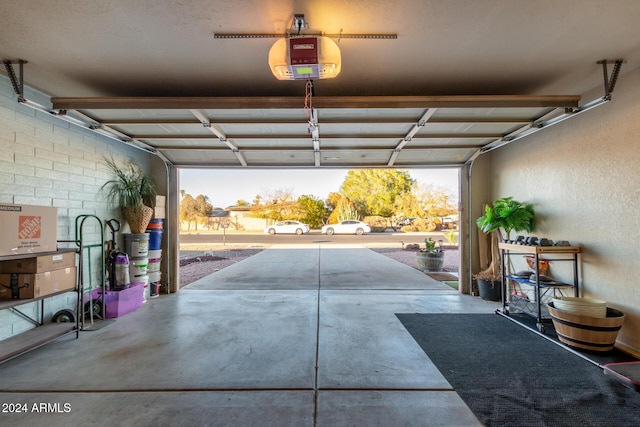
column 503, row 214
column 431, row 258
column 133, row 192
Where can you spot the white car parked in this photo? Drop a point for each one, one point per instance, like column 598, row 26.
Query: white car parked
column 347, row 227
column 287, row 227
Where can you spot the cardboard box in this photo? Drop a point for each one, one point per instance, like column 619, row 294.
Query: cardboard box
column 27, row 286
column 159, row 212
column 27, row 229
column 40, row 264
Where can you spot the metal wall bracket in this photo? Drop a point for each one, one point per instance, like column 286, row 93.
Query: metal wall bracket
column 78, row 119
column 610, row 83
column 543, row 123
column 18, row 84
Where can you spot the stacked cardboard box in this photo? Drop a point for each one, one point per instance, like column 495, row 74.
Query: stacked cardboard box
column 38, row 276
column 160, row 207
column 32, row 266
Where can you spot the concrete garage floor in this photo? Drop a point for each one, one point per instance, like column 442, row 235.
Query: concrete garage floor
column 301, row 335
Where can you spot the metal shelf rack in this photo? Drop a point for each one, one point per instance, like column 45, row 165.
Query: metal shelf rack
column 43, row 333
column 534, row 302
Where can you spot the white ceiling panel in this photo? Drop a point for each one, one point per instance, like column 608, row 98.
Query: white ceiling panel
column 176, row 76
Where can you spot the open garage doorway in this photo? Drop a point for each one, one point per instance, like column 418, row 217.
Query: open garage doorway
column 227, row 215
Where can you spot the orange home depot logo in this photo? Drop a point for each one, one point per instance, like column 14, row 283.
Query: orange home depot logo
column 29, row 227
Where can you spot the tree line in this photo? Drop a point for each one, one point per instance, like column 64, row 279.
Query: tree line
column 381, row 196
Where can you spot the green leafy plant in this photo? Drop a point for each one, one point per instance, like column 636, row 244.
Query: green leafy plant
column 430, row 246
column 450, row 236
column 130, row 187
column 509, row 215
column 503, row 214
column 133, row 192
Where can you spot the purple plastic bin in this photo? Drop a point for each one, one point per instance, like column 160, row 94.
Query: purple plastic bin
column 119, row 303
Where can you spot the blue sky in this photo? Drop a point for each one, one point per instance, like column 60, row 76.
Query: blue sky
column 225, row 186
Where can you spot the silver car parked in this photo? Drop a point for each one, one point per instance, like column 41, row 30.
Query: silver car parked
column 287, row 227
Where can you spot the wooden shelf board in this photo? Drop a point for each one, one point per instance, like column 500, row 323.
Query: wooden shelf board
column 33, row 338
column 539, row 249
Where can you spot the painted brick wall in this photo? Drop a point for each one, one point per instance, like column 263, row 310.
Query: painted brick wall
column 46, row 161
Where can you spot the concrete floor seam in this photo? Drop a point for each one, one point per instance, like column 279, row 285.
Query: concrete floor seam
column 392, row 389
column 317, row 355
column 156, row 390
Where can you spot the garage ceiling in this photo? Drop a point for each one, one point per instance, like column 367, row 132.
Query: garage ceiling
column 448, row 81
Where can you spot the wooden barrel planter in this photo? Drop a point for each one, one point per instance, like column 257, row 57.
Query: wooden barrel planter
column 430, row 261
column 585, row 332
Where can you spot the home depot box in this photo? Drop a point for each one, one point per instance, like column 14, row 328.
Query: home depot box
column 27, row 229
column 26, row 286
column 39, row 264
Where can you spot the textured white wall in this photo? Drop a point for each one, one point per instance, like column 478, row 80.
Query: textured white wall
column 583, row 176
column 46, row 161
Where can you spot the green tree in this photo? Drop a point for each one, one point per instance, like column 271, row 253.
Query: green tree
column 194, row 211
column 277, row 205
column 425, row 201
column 313, row 209
column 374, row 191
column 332, row 201
column 344, row 209
column 410, row 204
column 203, row 208
column 188, row 211
column 277, row 211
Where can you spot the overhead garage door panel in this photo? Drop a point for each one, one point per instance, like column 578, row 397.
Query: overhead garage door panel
column 262, row 158
column 433, row 157
column 333, row 131
column 208, row 158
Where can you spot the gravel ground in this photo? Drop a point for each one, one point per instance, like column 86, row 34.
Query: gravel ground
column 409, row 257
column 196, row 264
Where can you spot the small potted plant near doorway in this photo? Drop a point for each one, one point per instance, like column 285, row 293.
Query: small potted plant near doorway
column 489, row 285
column 503, row 214
column 431, row 258
column 133, row 192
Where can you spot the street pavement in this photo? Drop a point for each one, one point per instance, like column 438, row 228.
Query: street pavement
column 386, row 239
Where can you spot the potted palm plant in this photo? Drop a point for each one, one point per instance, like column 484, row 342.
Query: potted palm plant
column 503, row 214
column 133, row 192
